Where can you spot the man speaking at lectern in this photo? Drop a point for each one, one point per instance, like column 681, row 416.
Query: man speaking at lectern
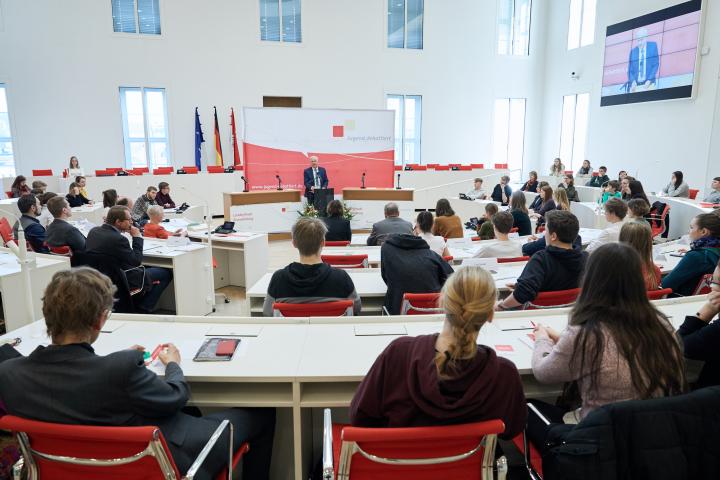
column 314, row 177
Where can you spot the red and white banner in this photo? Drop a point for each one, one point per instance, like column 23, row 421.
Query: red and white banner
column 348, row 143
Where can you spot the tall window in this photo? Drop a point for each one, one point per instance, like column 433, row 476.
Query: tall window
column 408, row 122
column 145, row 130
column 509, row 132
column 513, row 35
column 581, row 27
column 573, row 130
column 405, row 23
column 7, row 159
column 280, row 21
column 136, row 16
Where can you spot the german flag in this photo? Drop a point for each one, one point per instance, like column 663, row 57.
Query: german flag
column 218, row 145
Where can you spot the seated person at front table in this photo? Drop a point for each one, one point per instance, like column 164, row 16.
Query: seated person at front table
column 502, row 191
column 447, row 224
column 561, row 200
column 127, row 202
column 519, row 212
column 74, row 169
column 35, row 234
column 615, row 212
column 310, row 280
column 445, row 378
column 599, row 180
column 60, row 233
column 409, row 266
column 701, row 336
column 45, row 217
column 557, row 168
column 537, row 202
column 536, row 244
column 485, row 230
column 391, row 225
column 338, row 226
column 677, row 187
column 139, row 211
column 19, row 187
column 67, row 382
column 74, row 197
column 314, row 177
column 714, row 195
column 81, row 181
column 612, row 190
column 638, row 209
column 154, row 228
column 701, row 259
column 639, row 237
column 532, row 184
column 558, row 267
column 163, row 196
column 625, row 187
column 547, row 205
column 423, row 229
column 477, row 192
column 502, row 247
column 110, row 198
column 586, row 168
column 568, row 185
column 617, row 345
column 107, row 241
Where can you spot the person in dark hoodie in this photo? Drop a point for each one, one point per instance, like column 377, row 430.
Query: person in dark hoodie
column 407, row 265
column 310, row 280
column 558, row 267
column 445, row 378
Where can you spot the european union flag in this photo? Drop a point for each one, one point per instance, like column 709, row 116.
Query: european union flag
column 199, row 139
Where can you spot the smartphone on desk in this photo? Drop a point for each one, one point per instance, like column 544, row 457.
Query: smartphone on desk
column 217, row 349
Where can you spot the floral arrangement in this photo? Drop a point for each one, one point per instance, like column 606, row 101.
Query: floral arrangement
column 309, row 210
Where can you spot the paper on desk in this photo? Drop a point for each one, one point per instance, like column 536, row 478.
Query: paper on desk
column 234, row 331
column 486, row 263
column 111, row 325
column 380, row 329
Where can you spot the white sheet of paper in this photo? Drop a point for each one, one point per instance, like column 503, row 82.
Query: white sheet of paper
column 234, row 331
column 378, row 329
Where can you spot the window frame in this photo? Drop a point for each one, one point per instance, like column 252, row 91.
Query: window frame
column 146, row 139
column 581, row 24
column 509, row 137
column 511, row 38
column 570, row 163
column 137, row 34
column 13, row 135
column 417, row 141
column 280, row 41
column 386, row 34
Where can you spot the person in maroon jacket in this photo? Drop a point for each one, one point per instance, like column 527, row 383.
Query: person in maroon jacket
column 445, row 378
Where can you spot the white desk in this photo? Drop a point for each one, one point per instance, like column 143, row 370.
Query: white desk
column 589, row 215
column 242, row 257
column 9, row 209
column 588, row 194
column 94, row 213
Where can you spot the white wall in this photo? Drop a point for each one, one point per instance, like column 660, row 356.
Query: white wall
column 63, row 66
column 650, row 139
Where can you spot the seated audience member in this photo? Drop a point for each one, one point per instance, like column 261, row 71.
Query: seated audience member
column 29, row 207
column 337, row 225
column 637, row 191
column 599, row 180
column 38, row 187
column 45, row 217
column 139, row 211
column 701, row 336
column 532, row 184
column 310, row 280
column 127, row 202
column 536, row 244
column 502, row 191
column 107, row 241
column 714, row 195
column 409, row 266
column 586, row 169
column 477, row 192
column 74, row 197
column 81, row 182
column 677, row 187
column 568, row 185
column 617, row 345
column 519, row 212
column 701, row 259
column 423, row 229
column 625, row 188
column 612, row 190
column 445, row 378
column 74, row 169
column 60, row 233
column 561, row 200
column 537, row 203
column 622, row 174
column 391, row 225
column 557, row 267
column 615, row 212
column 67, row 382
column 639, row 236
column 502, row 247
column 558, row 168
column 110, row 198
column 485, row 230
column 154, row 228
column 638, row 209
column 547, row 205
column 163, row 196
column 447, row 224
column 19, row 187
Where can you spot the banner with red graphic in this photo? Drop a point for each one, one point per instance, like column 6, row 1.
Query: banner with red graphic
column 348, row 143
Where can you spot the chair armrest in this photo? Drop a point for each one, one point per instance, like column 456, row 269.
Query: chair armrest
column 328, row 470
column 192, row 471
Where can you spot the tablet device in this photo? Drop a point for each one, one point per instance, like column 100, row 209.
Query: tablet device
column 217, row 349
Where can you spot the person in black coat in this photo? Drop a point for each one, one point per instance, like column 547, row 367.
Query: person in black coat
column 532, row 184
column 74, row 197
column 67, row 382
column 60, row 233
column 337, row 225
column 521, row 219
column 502, row 191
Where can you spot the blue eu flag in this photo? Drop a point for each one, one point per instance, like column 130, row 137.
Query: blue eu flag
column 199, row 139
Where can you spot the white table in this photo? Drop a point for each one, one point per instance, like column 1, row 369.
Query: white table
column 9, row 210
column 94, row 213
column 589, row 215
column 588, row 194
column 242, row 257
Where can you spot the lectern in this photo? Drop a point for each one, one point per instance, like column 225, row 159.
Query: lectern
column 322, row 197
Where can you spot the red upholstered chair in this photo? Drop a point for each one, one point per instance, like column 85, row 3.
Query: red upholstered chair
column 190, row 170
column 103, row 173
column 477, row 165
column 6, row 231
column 398, row 168
column 412, row 166
column 84, row 452
column 465, row 168
column 514, row 230
column 215, row 169
column 163, row 171
column 137, row 171
column 703, row 286
column 554, row 299
column 420, row 168
column 456, row 165
column 658, row 221
column 568, row 172
column 337, row 243
column 693, row 193
column 513, row 259
column 659, row 294
column 114, row 170
column 501, row 166
column 442, row 168
column 42, row 173
column 595, row 174
column 433, row 165
column 63, row 251
column 340, row 308
column 346, row 261
column 475, row 239
column 9, row 194
column 420, row 304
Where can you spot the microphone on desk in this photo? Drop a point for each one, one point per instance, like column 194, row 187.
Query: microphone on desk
column 245, row 188
column 279, row 182
column 398, row 183
column 362, row 185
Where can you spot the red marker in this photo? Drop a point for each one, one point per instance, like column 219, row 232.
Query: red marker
column 156, row 352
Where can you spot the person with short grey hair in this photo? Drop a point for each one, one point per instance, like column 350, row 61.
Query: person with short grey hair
column 392, row 224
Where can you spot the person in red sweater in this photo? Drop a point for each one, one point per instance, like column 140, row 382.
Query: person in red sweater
column 445, row 378
column 154, row 228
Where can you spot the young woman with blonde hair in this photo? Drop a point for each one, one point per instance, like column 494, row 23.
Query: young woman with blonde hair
column 561, row 200
column 639, row 236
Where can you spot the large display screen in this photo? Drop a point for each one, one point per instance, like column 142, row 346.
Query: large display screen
column 653, row 57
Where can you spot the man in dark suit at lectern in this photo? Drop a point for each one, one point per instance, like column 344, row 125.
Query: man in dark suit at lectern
column 314, row 178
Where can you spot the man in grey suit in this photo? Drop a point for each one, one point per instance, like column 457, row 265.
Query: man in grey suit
column 60, row 233
column 67, row 382
column 391, row 225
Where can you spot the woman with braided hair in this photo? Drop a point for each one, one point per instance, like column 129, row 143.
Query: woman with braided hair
column 445, row 378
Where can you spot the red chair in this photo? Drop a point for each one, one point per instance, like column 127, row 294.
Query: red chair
column 104, row 173
column 501, row 166
column 513, row 259
column 115, row 170
column 657, row 221
column 477, row 165
column 533, row 459
column 82, row 452
column 398, row 168
column 514, row 230
column 433, row 165
column 9, row 194
column 420, row 168
column 441, row 168
column 703, row 286
column 338, row 243
column 693, row 193
column 465, row 168
column 346, row 261
column 420, row 304
column 163, row 171
column 475, row 239
column 215, row 169
column 568, row 172
column 554, row 299
column 6, row 231
column 63, row 251
column 136, row 171
column 190, row 170
column 340, row 308
column 412, row 166
column 456, row 165
column 659, row 294
column 49, row 173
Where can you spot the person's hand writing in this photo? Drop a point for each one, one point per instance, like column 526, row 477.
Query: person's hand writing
column 542, row 331
column 169, row 353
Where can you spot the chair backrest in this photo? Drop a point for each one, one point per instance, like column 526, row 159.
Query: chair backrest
column 9, row 194
column 693, row 193
column 513, row 259
column 90, row 452
column 337, row 243
column 114, row 170
column 137, row 171
column 501, row 166
column 514, row 230
column 477, row 165
column 339, row 308
column 191, row 169
column 658, row 220
column 215, row 169
column 346, row 261
column 6, row 231
column 420, row 304
column 106, row 265
column 659, row 294
column 454, row 452
column 62, row 250
column 103, row 173
column 46, row 173
column 554, row 299
column 703, row 286
column 162, row 171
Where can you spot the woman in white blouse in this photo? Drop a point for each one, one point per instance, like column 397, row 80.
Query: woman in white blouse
column 74, row 169
column 423, row 229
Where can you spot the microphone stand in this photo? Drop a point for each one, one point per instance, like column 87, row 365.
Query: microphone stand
column 398, row 183
column 279, row 182
column 362, row 186
column 245, row 183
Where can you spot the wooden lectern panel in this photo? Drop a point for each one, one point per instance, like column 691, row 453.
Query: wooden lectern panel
column 387, row 194
column 251, row 198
